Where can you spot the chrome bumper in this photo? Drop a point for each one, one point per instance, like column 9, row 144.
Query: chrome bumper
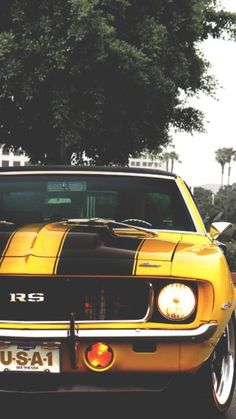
column 199, row 334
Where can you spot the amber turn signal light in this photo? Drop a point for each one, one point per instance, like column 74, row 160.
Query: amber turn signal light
column 99, row 356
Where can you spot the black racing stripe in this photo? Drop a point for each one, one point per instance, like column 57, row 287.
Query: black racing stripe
column 96, row 251
column 93, row 266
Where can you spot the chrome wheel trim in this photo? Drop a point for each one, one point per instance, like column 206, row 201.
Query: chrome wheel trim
column 223, row 365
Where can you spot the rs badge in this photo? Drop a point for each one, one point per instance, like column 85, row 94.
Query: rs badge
column 19, row 297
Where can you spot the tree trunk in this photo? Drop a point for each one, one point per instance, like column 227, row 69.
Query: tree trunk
column 229, row 171
column 222, row 175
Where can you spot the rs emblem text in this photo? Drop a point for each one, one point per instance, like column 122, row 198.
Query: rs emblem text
column 33, row 297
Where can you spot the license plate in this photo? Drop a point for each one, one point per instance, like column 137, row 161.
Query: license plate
column 30, row 358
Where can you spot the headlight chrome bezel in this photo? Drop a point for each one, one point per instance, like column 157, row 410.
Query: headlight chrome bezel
column 175, row 289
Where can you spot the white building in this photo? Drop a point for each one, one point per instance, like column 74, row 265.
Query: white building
column 148, row 161
column 10, row 158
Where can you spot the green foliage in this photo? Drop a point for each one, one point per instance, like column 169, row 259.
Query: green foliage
column 217, row 207
column 102, row 76
column 225, row 200
column 205, row 202
column 231, row 254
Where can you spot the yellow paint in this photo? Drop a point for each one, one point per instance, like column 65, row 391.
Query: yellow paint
column 193, row 355
column 34, row 249
column 164, row 359
column 6, row 247
column 162, row 268
column 167, row 358
column 156, row 249
column 154, row 256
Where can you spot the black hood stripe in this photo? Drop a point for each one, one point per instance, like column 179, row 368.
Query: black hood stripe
column 95, row 250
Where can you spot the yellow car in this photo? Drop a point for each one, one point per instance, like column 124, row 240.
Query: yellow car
column 109, row 279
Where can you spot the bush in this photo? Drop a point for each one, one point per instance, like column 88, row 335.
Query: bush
column 231, row 255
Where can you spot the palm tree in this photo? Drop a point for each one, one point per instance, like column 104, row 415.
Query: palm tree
column 221, row 158
column 229, row 155
column 234, row 156
column 225, row 156
column 169, row 157
column 173, row 156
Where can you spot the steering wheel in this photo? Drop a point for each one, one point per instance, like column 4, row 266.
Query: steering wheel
column 137, row 222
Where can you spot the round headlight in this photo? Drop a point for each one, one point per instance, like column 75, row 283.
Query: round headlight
column 176, row 301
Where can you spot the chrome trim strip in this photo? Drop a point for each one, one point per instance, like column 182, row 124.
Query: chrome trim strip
column 199, row 334
column 84, row 172
column 149, row 265
column 31, row 333
column 150, row 303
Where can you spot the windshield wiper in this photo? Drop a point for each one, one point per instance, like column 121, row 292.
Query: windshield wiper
column 112, row 224
column 5, row 222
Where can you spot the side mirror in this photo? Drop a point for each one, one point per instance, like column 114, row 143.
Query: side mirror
column 222, row 230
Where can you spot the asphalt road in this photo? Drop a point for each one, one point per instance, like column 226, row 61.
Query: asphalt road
column 104, row 406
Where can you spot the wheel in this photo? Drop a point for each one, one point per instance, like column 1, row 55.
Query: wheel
column 137, row 222
column 216, row 379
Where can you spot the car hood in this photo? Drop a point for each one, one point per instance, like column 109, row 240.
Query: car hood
column 62, row 248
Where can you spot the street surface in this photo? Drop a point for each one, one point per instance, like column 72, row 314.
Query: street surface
column 104, row 406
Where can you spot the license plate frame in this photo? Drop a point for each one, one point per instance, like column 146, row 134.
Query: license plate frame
column 31, row 358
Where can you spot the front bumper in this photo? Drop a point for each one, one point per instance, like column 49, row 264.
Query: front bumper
column 200, row 334
column 153, row 355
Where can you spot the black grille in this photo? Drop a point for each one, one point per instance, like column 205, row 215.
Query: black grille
column 90, row 299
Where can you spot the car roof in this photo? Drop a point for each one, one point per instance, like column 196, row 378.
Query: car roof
column 74, row 168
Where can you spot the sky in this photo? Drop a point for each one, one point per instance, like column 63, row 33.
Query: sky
column 197, row 151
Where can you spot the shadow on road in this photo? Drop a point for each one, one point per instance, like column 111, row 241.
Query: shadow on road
column 104, row 406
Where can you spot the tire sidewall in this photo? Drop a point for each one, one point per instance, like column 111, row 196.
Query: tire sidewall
column 205, row 382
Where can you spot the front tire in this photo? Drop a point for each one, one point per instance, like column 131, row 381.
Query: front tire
column 216, row 379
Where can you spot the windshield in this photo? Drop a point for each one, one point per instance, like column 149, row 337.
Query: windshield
column 147, row 202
